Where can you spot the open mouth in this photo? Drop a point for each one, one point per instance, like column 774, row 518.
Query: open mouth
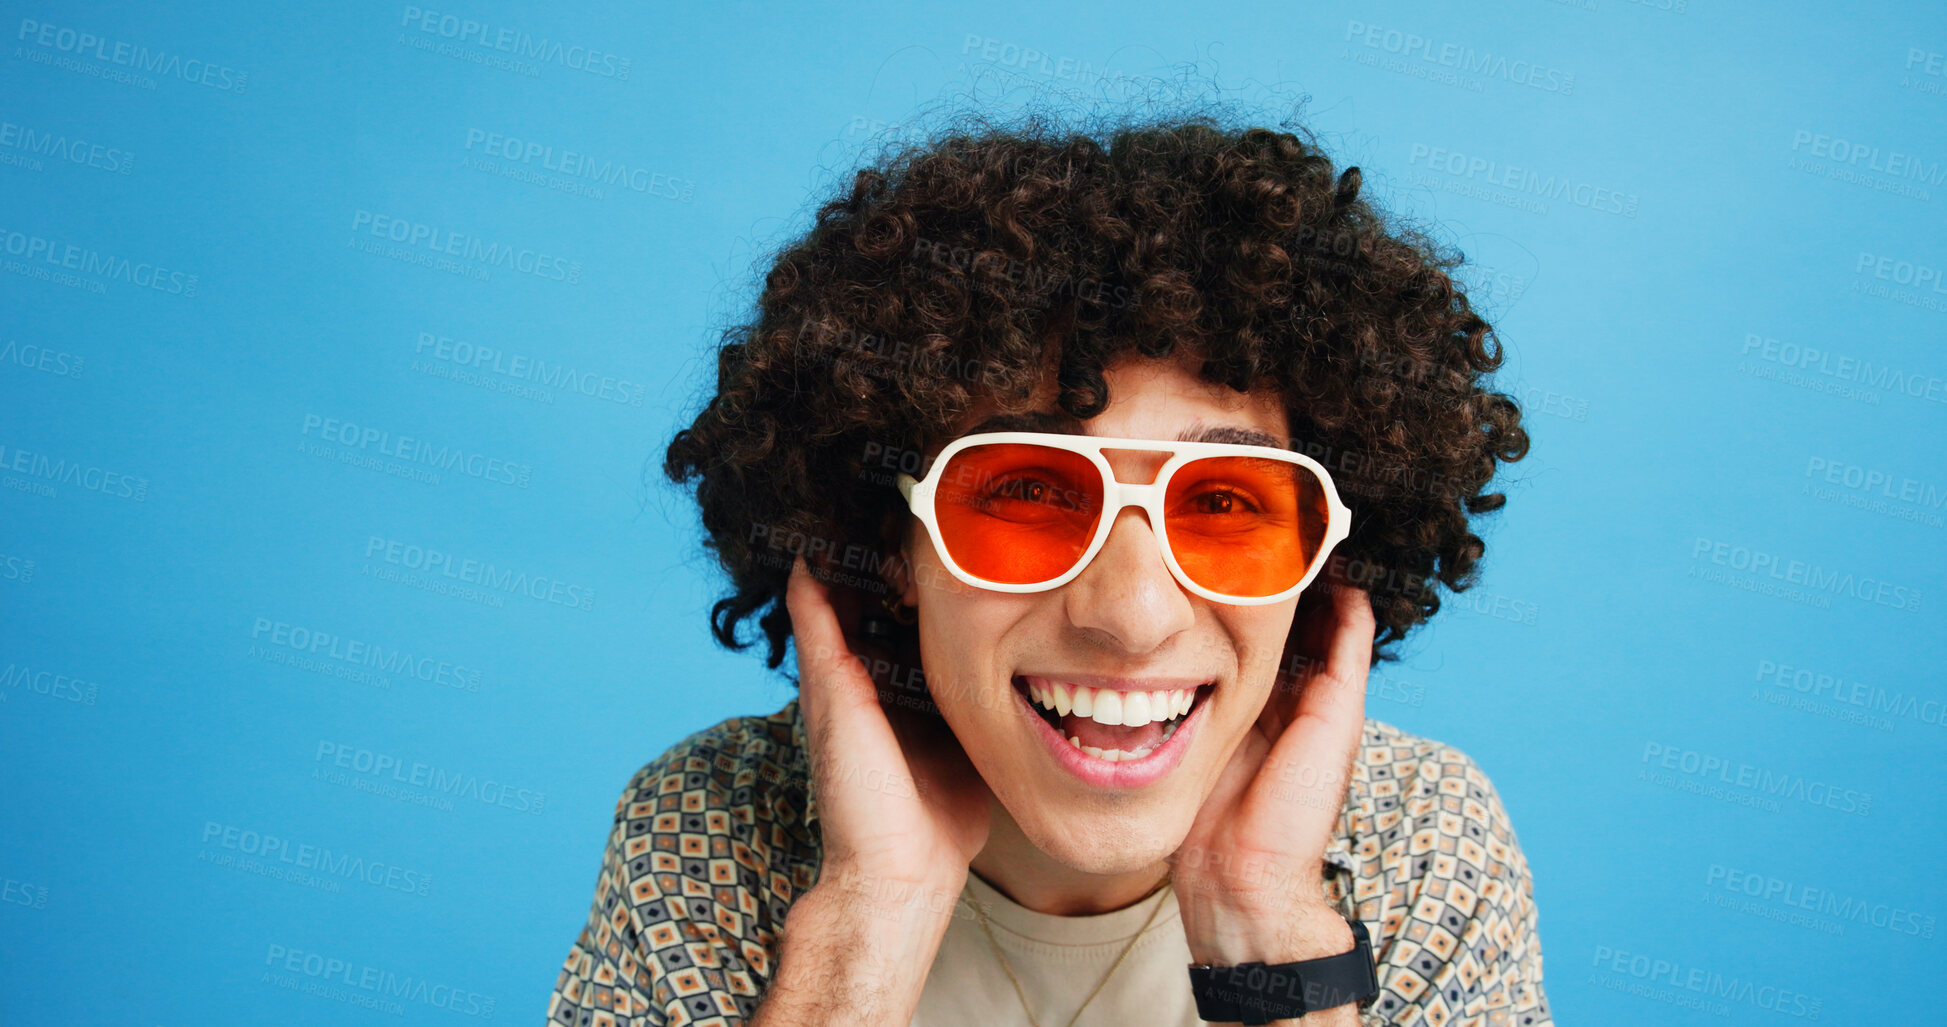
column 1116, row 726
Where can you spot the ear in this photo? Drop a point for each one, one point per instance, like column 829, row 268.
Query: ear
column 897, row 569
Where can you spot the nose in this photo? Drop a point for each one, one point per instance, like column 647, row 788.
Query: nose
column 1126, row 597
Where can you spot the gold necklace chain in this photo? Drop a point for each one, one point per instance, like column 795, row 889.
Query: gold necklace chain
column 1018, row 993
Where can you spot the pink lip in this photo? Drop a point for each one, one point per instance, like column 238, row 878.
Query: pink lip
column 1130, row 774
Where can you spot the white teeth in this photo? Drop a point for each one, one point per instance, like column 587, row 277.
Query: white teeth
column 1116, row 755
column 1116, row 709
column 1135, row 708
column 1108, row 707
column 1112, row 708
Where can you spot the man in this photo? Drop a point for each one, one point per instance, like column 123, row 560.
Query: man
column 1080, row 736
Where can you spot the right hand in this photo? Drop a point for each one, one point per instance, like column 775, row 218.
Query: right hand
column 898, row 802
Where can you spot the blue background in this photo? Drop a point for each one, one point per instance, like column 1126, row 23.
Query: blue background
column 155, row 729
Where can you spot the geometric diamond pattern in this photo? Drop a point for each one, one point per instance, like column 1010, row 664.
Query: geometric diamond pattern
column 716, row 838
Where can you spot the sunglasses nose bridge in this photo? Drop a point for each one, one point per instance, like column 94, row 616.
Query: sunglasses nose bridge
column 1141, row 460
column 1137, row 496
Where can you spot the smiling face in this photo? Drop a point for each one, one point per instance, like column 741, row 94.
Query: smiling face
column 1122, row 634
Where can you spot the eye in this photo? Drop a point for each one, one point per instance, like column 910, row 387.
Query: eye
column 1022, row 490
column 1222, row 501
column 1029, row 489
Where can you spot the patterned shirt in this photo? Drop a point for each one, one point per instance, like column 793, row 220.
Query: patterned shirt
column 714, row 839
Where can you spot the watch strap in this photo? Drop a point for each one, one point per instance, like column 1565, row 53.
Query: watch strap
column 1259, row 993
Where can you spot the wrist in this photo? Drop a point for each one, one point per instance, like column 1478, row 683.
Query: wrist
column 1309, row 966
column 856, row 949
column 1221, row 936
column 885, row 903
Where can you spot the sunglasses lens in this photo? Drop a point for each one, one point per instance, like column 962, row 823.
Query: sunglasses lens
column 1018, row 513
column 1245, row 526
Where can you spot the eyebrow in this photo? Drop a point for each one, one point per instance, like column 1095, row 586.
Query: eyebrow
column 1057, row 421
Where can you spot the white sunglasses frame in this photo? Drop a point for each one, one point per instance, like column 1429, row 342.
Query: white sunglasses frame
column 1117, row 494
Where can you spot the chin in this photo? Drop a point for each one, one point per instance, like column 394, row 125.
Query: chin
column 1105, row 843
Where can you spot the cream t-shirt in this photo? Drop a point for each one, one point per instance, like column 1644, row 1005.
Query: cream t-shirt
column 1058, row 960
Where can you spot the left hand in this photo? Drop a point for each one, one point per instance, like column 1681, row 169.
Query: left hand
column 1249, row 876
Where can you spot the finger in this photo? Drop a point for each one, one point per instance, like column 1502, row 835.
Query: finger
column 1308, row 652
column 1336, row 696
column 838, row 699
column 1324, row 734
column 1349, row 656
column 1296, row 664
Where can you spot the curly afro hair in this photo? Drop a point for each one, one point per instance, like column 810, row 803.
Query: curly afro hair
column 938, row 279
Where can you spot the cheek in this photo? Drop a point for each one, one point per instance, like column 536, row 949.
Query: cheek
column 963, row 656
column 1259, row 636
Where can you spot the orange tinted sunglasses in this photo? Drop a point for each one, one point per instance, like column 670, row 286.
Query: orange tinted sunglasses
column 1026, row 511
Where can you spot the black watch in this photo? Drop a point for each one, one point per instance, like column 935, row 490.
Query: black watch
column 1256, row 993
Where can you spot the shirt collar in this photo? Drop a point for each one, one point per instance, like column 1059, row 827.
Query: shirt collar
column 1358, row 807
